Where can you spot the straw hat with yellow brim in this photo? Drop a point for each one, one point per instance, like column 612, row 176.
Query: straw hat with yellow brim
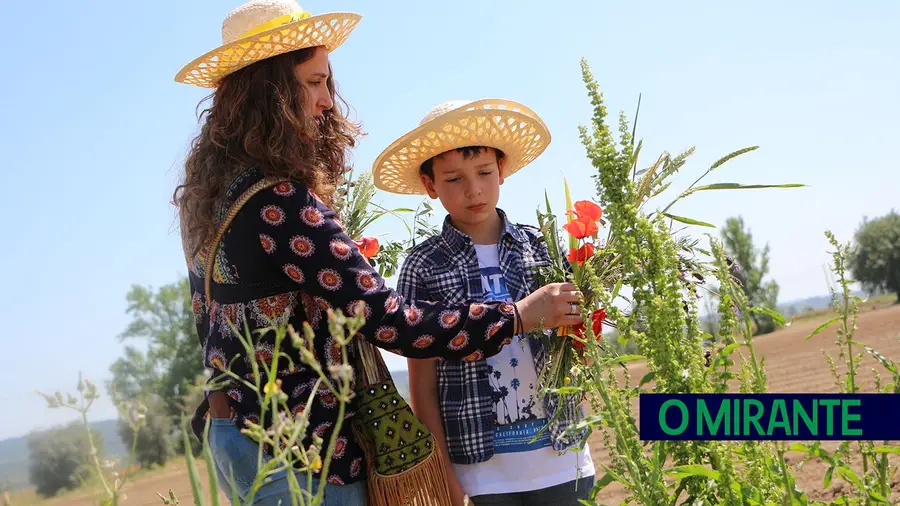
column 511, row 127
column 260, row 29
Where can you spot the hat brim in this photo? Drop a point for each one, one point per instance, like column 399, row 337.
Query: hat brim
column 329, row 30
column 511, row 127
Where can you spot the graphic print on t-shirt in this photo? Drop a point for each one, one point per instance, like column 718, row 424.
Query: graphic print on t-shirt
column 518, row 414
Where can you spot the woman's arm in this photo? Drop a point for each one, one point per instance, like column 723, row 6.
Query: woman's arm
column 306, row 242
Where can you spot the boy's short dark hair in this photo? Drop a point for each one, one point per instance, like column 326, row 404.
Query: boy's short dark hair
column 427, row 167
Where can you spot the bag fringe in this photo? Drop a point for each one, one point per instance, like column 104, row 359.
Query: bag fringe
column 424, row 485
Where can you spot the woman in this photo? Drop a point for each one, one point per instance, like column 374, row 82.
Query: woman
column 285, row 256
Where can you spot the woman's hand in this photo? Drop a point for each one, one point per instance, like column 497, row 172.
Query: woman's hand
column 550, row 306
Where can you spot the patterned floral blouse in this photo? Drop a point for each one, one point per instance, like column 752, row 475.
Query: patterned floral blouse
column 286, row 257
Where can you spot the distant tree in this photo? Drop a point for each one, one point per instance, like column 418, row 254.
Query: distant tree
column 165, row 321
column 753, row 268
column 59, row 458
column 154, row 437
column 876, row 262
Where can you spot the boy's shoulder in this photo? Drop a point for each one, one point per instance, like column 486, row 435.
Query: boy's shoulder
column 533, row 237
column 423, row 254
column 433, row 250
column 531, row 232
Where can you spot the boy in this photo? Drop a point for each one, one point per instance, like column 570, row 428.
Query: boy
column 483, row 412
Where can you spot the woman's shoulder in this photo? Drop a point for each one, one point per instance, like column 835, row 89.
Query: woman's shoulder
column 252, row 188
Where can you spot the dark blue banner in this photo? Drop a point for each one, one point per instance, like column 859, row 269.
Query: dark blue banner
column 769, row 417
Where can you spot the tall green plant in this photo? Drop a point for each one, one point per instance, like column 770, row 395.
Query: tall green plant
column 664, row 271
column 873, row 486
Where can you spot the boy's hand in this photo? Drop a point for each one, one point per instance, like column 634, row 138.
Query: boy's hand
column 552, row 305
column 457, row 494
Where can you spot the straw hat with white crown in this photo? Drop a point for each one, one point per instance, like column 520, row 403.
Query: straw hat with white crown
column 260, row 29
column 509, row 126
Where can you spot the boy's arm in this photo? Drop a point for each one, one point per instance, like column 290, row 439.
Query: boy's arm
column 423, row 392
column 423, row 389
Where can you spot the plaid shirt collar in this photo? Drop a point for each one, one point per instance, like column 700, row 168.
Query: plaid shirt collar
column 455, row 239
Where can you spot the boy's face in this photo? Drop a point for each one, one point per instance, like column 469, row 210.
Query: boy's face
column 468, row 188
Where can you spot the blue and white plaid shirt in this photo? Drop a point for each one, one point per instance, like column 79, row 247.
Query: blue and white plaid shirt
column 445, row 268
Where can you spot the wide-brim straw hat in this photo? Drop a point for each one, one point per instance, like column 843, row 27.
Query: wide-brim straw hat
column 260, row 29
column 502, row 124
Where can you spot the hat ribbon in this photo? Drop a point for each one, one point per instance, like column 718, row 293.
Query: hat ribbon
column 275, row 23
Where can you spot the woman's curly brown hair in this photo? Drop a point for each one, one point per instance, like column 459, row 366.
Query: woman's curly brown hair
column 257, row 119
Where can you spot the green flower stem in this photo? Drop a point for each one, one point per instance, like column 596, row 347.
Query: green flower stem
column 95, row 460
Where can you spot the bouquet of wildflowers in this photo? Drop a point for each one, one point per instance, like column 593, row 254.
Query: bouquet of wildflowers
column 585, row 262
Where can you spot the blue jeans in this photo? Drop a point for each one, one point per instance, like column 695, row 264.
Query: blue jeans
column 564, row 494
column 234, row 454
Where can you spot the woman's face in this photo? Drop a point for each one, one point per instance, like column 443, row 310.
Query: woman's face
column 313, row 76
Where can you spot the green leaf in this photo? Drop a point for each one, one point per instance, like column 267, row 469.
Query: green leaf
column 647, row 378
column 192, row 471
column 567, row 390
column 769, row 312
column 887, row 449
column 603, row 482
column 823, row 326
column 798, row 447
column 210, row 469
column 875, row 496
column 615, row 476
column 728, row 350
column 659, row 451
column 615, row 292
column 849, row 475
column 689, row 470
column 820, row 453
column 886, row 362
column 737, row 186
column 828, row 476
column 627, row 358
column 688, row 221
column 573, row 242
column 848, row 384
column 590, row 421
column 734, row 154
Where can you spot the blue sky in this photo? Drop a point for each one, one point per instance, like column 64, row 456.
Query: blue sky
column 95, row 130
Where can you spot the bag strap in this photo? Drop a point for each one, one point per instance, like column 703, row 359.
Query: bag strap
column 371, row 368
column 232, row 213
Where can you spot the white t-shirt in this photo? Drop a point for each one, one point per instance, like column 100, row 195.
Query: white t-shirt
column 517, row 464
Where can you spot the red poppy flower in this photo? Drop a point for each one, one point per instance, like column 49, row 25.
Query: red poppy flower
column 588, row 211
column 368, row 246
column 581, row 254
column 596, row 325
column 581, row 228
